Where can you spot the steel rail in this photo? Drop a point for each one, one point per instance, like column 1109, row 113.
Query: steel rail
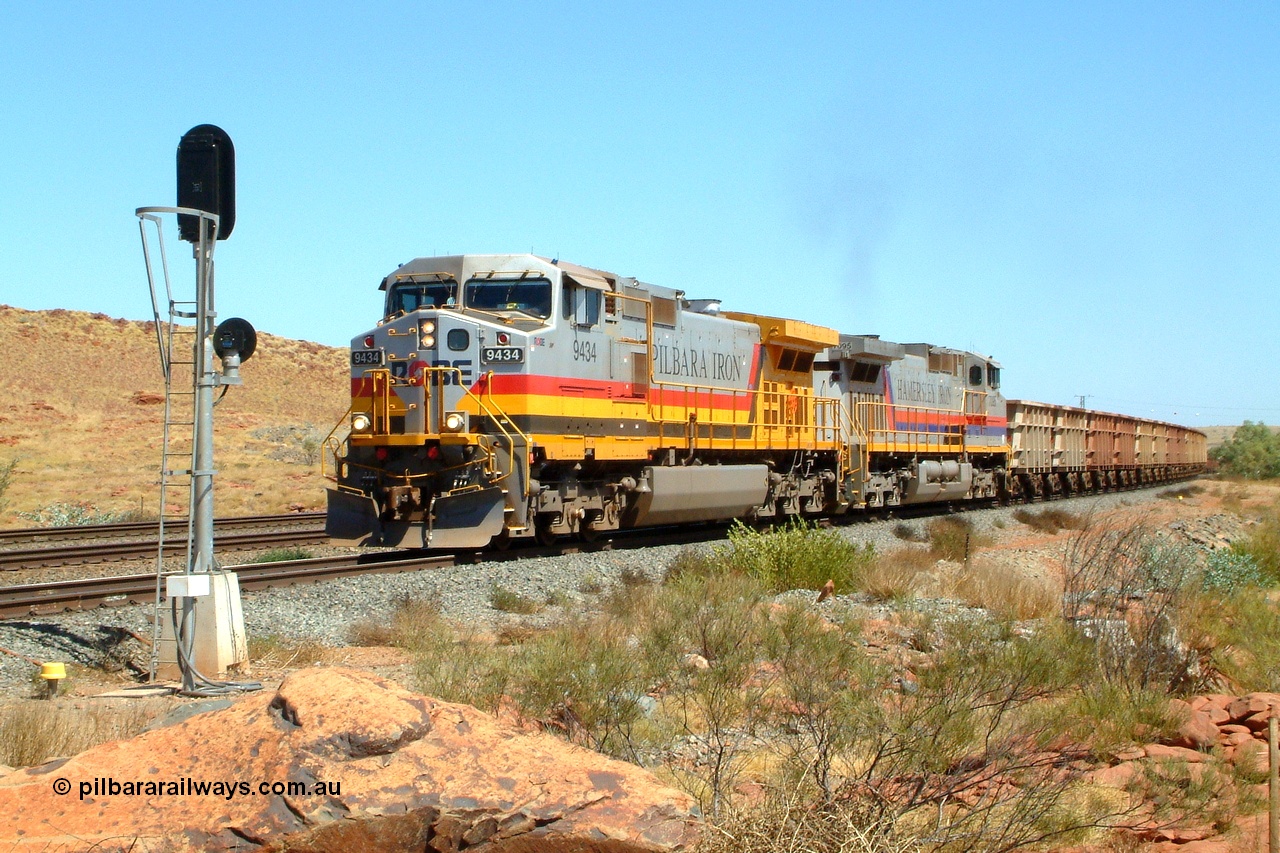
column 133, row 529
column 102, row 552
column 89, row 593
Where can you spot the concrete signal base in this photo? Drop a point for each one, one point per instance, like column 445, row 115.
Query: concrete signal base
column 219, row 643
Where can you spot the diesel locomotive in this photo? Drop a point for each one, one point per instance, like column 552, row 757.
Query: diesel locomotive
column 508, row 397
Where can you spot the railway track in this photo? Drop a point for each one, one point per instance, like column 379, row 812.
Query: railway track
column 45, row 598
column 150, row 529
column 21, row 600
column 55, row 551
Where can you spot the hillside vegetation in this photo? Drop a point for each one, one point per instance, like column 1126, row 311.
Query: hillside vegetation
column 1253, row 452
column 82, row 408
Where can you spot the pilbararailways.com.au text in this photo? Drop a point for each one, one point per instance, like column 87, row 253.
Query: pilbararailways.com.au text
column 228, row 789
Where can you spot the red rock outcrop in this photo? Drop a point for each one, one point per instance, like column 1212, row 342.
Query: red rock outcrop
column 385, row 770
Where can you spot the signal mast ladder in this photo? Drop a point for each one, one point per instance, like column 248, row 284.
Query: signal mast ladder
column 177, row 342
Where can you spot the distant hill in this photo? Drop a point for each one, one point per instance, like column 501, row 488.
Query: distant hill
column 81, row 406
column 1216, row 435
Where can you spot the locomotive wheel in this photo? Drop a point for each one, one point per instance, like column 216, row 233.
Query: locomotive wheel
column 502, row 541
column 542, row 532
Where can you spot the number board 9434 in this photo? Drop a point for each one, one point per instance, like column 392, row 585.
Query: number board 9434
column 502, row 355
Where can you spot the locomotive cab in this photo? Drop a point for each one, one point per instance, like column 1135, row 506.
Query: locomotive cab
column 428, row 460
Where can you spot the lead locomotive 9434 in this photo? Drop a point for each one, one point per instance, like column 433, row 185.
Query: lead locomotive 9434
column 505, row 397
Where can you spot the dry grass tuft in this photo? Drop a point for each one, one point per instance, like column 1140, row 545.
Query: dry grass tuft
column 785, row 822
column 34, row 731
column 510, row 601
column 953, row 538
column 414, row 624
column 898, row 574
column 284, row 652
column 1006, row 593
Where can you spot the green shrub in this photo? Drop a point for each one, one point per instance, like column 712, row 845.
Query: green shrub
column 282, row 555
column 510, row 601
column 796, row 555
column 1229, row 571
column 584, row 679
column 74, row 514
column 1241, row 642
column 462, row 667
column 1253, row 452
column 1263, row 547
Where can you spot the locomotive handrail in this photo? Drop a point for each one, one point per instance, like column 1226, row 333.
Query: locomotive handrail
column 950, row 437
column 334, row 446
column 776, row 416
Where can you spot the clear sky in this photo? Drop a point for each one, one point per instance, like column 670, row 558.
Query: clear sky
column 1088, row 192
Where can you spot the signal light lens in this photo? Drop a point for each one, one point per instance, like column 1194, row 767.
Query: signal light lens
column 503, row 339
column 382, row 453
column 368, row 341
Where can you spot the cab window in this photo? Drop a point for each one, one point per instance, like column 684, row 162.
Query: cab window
column 582, row 305
column 528, row 296
column 410, row 296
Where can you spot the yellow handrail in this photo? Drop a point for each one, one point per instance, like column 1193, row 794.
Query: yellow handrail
column 334, row 446
column 949, row 431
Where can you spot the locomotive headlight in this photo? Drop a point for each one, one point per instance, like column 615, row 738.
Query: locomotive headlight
column 426, row 338
column 455, row 421
column 360, row 423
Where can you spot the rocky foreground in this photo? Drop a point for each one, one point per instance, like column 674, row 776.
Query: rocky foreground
column 383, row 769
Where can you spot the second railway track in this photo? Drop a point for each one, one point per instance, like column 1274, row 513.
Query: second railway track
column 63, row 548
column 45, row 598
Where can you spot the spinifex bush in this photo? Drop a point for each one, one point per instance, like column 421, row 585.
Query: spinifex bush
column 1049, row 520
column 34, row 731
column 413, row 624
column 75, row 514
column 796, row 555
column 953, row 538
column 283, row 555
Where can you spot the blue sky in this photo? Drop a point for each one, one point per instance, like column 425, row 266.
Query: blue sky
column 1089, row 192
